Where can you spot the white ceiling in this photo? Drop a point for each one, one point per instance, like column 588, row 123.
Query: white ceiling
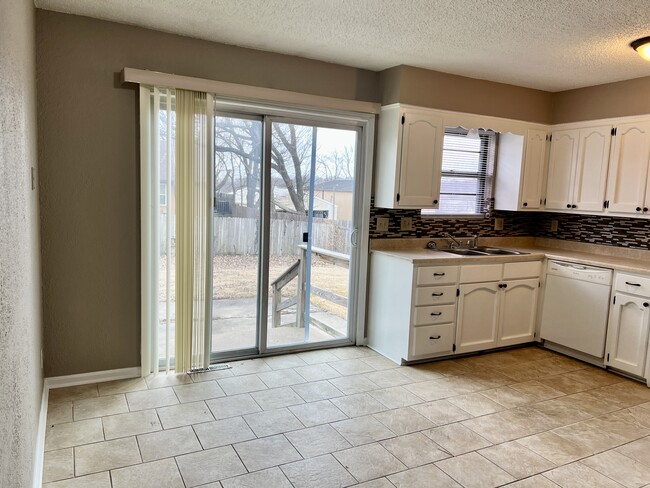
column 547, row 44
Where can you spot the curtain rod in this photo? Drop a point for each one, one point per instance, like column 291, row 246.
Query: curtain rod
column 224, row 89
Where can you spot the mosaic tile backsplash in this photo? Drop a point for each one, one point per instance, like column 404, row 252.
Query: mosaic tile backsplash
column 594, row 229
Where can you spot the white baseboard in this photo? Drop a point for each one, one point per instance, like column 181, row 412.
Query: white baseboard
column 40, row 439
column 94, row 377
column 62, row 382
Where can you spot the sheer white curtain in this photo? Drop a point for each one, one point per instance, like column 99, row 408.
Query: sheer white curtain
column 176, row 196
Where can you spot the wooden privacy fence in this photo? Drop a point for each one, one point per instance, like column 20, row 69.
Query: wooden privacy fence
column 237, row 236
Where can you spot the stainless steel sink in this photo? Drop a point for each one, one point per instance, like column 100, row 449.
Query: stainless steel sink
column 499, row 251
column 465, row 252
column 484, row 251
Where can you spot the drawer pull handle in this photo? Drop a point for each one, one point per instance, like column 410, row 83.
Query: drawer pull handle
column 435, row 314
column 632, row 284
column 434, row 338
column 438, row 274
column 437, row 294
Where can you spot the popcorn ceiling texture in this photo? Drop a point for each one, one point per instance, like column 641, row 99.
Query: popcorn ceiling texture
column 20, row 308
column 548, row 45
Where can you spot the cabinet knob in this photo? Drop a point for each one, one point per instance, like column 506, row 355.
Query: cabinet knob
column 568, row 205
column 646, row 304
column 645, row 209
column 435, row 202
column 638, row 209
column 574, row 206
column 434, row 338
column 525, row 204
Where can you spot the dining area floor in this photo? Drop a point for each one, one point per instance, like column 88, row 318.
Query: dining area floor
column 524, row 418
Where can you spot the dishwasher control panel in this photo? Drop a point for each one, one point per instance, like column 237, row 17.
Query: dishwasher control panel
column 581, row 272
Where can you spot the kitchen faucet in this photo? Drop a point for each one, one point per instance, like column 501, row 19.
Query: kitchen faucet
column 455, row 243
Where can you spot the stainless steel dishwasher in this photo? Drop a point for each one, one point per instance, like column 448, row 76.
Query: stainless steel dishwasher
column 576, row 306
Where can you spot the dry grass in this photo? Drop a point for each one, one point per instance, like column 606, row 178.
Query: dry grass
column 236, row 277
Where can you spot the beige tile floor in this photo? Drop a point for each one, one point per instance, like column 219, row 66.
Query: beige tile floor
column 525, row 418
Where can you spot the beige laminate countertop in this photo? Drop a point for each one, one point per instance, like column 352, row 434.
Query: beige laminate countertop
column 621, row 259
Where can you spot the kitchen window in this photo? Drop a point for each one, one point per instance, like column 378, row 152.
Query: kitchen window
column 467, row 172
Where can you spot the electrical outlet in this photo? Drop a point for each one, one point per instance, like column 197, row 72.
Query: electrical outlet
column 553, row 225
column 498, row 224
column 382, row 224
column 406, row 223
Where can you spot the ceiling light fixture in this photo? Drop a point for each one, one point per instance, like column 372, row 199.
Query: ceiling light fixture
column 642, row 46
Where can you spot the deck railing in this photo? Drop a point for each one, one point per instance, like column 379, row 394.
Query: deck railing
column 298, row 270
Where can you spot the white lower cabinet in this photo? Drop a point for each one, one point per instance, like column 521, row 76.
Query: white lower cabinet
column 627, row 331
column 411, row 309
column 518, row 312
column 496, row 314
column 478, row 316
column 420, row 312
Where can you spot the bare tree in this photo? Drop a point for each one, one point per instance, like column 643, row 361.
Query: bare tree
column 238, row 149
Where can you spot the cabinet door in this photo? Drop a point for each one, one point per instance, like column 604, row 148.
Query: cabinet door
column 421, row 160
column 627, row 334
column 561, row 169
column 534, row 166
column 628, row 168
column 591, row 168
column 518, row 311
column 478, row 308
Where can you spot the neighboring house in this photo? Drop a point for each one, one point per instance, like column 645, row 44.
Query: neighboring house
column 339, row 194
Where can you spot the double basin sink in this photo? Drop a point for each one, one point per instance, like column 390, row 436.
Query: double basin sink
column 483, row 251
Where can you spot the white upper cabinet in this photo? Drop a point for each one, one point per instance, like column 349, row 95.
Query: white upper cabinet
column 532, row 185
column 520, row 171
column 561, row 169
column 577, row 171
column 409, row 160
column 628, row 169
column 591, row 168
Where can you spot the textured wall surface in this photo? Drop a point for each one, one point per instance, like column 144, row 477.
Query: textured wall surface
column 20, row 308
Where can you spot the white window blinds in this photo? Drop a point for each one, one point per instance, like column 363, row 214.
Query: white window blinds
column 467, row 172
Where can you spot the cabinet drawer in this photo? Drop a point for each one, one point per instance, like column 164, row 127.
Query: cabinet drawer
column 434, row 315
column 634, row 285
column 435, row 295
column 481, row 272
column 437, row 275
column 432, row 339
column 516, row 271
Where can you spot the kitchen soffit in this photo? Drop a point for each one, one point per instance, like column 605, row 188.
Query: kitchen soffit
column 550, row 45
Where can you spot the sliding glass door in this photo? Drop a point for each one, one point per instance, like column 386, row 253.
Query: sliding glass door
column 236, row 233
column 284, row 219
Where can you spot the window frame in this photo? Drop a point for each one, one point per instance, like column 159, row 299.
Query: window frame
column 489, row 147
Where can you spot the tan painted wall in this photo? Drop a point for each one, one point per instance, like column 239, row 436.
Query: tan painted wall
column 88, row 155
column 21, row 379
column 631, row 97
column 434, row 89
